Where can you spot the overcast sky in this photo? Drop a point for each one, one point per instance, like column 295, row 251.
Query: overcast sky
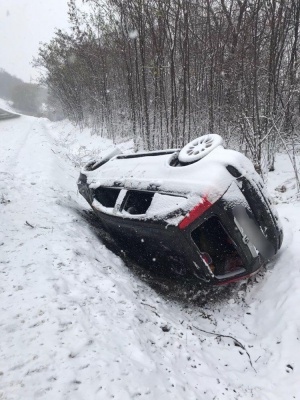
column 23, row 24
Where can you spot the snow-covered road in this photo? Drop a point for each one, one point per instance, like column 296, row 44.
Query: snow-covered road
column 77, row 323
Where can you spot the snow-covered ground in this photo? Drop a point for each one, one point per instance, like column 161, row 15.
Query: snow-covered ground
column 77, row 323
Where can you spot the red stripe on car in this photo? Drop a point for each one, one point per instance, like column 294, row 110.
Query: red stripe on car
column 195, row 213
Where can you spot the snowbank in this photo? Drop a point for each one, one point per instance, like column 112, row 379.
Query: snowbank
column 77, row 323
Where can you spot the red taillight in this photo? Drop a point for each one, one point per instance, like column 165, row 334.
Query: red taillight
column 195, row 213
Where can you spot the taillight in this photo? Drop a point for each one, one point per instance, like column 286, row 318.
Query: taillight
column 195, row 213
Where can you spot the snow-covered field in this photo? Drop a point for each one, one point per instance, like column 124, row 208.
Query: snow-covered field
column 77, row 323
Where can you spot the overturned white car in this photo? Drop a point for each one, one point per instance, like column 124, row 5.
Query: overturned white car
column 201, row 210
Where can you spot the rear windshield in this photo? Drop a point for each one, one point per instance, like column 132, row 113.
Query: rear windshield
column 217, row 249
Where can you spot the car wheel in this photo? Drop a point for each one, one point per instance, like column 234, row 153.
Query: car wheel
column 199, row 148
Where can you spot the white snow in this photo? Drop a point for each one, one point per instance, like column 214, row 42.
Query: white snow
column 133, row 34
column 6, row 105
column 163, row 203
column 77, row 323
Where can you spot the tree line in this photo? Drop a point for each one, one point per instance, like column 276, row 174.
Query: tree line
column 167, row 71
